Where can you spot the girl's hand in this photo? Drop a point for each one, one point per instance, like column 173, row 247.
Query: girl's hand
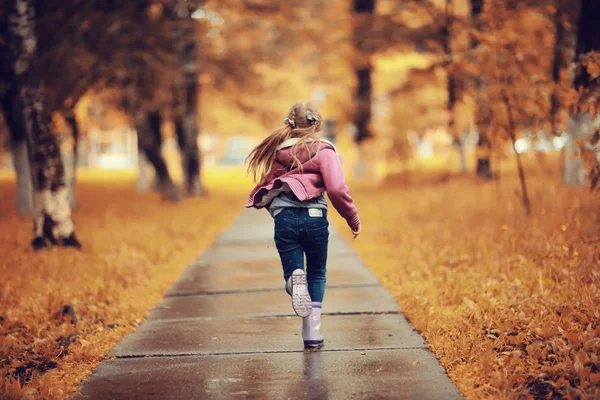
column 357, row 232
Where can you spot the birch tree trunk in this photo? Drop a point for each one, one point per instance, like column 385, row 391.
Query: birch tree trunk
column 579, row 126
column 52, row 211
column 20, row 154
column 186, row 119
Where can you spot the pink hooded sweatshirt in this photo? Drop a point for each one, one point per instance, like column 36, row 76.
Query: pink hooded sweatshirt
column 321, row 171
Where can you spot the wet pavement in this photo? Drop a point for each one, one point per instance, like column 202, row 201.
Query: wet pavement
column 226, row 330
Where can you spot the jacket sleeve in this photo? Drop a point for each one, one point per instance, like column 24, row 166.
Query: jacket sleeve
column 335, row 185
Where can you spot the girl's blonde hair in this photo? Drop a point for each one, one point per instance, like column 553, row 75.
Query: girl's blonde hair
column 303, row 122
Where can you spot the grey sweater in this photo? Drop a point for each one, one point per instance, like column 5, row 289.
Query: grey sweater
column 288, row 199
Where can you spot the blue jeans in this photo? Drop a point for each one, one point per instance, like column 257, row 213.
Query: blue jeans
column 297, row 234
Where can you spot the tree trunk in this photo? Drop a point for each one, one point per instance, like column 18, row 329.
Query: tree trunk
column 363, row 10
column 155, row 123
column 362, row 115
column 190, row 152
column 524, row 193
column 511, row 129
column 72, row 122
column 190, row 157
column 588, row 38
column 451, row 87
column 148, row 127
column 557, row 67
column 450, row 79
column 186, row 129
column 459, row 143
column 186, row 100
column 20, row 154
column 52, row 211
column 483, row 151
column 180, row 135
column 579, row 125
column 451, row 102
column 142, row 183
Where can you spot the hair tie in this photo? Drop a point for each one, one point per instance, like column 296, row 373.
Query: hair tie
column 290, row 122
column 312, row 119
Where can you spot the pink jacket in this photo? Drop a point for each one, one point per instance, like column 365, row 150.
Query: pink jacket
column 321, row 171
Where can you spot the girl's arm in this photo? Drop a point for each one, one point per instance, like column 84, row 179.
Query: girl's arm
column 337, row 190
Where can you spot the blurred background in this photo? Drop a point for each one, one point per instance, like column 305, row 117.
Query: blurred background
column 127, row 85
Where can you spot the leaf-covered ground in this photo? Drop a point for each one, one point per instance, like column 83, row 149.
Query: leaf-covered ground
column 508, row 303
column 135, row 247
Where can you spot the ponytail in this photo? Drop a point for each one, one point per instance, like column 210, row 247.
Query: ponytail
column 262, row 157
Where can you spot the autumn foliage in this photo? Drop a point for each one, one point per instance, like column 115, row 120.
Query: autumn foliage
column 62, row 311
column 508, row 304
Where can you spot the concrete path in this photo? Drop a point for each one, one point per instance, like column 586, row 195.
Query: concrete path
column 226, row 330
